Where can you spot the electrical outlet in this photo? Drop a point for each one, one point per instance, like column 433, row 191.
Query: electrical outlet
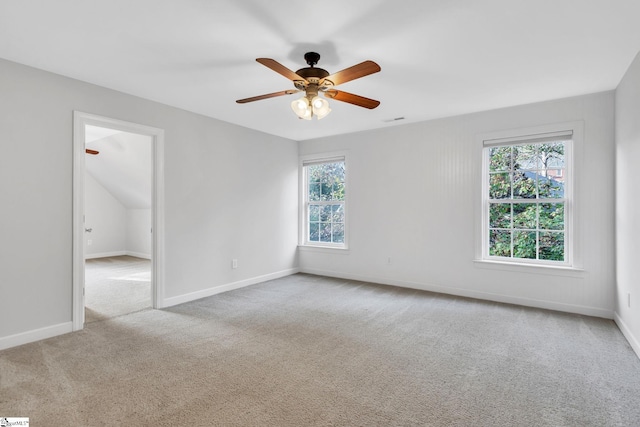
column 89, row 242
column 234, row 263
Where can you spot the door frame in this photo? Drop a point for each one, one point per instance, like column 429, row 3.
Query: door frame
column 80, row 120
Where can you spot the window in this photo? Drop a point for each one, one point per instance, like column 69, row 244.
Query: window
column 324, row 202
column 526, row 211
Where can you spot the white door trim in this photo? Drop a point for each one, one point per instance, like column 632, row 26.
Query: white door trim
column 81, row 119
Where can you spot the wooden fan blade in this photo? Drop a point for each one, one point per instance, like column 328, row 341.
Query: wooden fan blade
column 360, row 70
column 280, row 69
column 268, row 95
column 358, row 100
column 90, row 151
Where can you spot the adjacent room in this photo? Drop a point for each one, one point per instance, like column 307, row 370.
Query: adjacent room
column 348, row 213
column 117, row 223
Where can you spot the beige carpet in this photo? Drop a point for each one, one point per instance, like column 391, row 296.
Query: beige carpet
column 115, row 286
column 311, row 351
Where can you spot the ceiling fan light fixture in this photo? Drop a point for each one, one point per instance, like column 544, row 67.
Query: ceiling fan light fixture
column 320, row 107
column 302, row 108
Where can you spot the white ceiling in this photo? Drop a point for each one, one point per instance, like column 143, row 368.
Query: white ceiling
column 94, row 133
column 123, row 166
column 438, row 57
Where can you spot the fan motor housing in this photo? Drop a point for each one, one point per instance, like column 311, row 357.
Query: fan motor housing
column 312, row 73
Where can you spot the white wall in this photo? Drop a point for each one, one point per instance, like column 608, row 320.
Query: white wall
column 107, row 219
column 230, row 192
column 123, row 167
column 414, row 197
column 627, row 127
column 115, row 229
column 139, row 233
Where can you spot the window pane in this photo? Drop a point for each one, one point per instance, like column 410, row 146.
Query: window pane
column 314, row 192
column 338, row 233
column 500, row 243
column 524, row 185
column 314, row 213
column 338, row 191
column 552, row 216
column 524, row 215
column 315, row 172
column 325, row 213
column 337, row 213
column 337, row 170
column 551, row 246
column 500, row 159
column 555, row 174
column 552, row 155
column 524, row 244
column 499, row 186
column 314, row 229
column 499, row 215
column 526, row 157
column 325, row 232
column 325, row 191
column 551, row 186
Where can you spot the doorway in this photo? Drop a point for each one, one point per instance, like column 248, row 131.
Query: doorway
column 118, row 220
column 117, row 223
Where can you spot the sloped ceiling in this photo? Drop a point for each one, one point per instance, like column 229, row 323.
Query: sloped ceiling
column 123, row 166
column 439, row 58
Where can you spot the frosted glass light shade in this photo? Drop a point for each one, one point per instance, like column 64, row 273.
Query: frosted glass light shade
column 306, row 109
column 320, row 107
column 302, row 108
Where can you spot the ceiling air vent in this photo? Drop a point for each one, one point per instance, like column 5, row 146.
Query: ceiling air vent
column 393, row 120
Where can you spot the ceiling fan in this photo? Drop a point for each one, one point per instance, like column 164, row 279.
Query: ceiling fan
column 313, row 81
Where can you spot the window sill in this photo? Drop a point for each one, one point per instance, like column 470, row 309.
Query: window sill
column 530, row 268
column 324, row 249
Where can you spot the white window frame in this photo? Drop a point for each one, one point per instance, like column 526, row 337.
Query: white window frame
column 572, row 131
column 304, row 199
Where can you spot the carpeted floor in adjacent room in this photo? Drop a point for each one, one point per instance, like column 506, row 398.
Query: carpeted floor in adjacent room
column 115, row 286
column 312, row 351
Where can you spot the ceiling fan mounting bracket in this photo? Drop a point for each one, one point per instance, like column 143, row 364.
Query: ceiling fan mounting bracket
column 312, row 58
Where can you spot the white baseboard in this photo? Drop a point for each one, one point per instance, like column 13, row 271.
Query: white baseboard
column 35, row 335
column 138, row 255
column 633, row 341
column 118, row 253
column 180, row 299
column 549, row 305
column 104, row 254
